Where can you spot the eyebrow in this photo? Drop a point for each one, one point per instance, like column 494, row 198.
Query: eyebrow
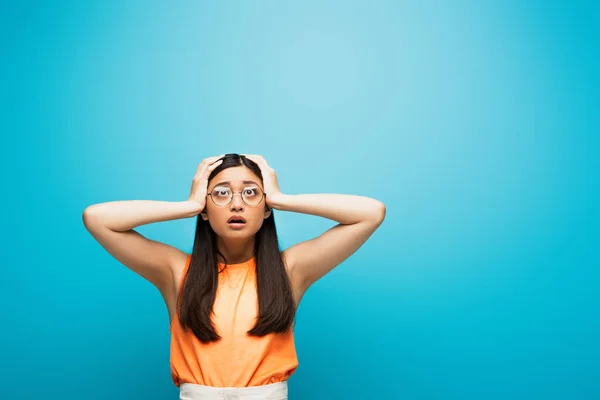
column 228, row 182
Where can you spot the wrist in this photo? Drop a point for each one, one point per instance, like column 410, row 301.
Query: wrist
column 277, row 201
column 192, row 207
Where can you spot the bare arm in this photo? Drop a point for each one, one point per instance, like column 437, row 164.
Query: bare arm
column 358, row 218
column 112, row 223
column 125, row 215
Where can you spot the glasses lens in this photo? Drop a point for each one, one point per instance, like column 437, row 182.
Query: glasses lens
column 252, row 195
column 221, row 196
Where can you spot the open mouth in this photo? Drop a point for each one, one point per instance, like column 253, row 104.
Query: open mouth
column 236, row 220
column 236, row 225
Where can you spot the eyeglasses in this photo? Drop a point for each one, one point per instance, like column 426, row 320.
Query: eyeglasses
column 251, row 195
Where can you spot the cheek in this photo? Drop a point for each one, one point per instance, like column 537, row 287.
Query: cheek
column 260, row 220
column 215, row 218
column 215, row 227
column 255, row 220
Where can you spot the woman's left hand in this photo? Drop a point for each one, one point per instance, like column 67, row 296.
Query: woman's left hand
column 270, row 184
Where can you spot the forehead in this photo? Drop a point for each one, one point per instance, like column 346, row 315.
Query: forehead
column 236, row 176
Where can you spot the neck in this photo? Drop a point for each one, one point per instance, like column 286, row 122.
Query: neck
column 235, row 251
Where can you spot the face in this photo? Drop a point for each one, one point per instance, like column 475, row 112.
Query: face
column 218, row 216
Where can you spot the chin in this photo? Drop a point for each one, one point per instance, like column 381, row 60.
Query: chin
column 226, row 231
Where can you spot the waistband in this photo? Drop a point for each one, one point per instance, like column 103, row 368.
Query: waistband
column 272, row 391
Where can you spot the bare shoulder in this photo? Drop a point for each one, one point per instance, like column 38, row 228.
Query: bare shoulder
column 152, row 260
column 178, row 264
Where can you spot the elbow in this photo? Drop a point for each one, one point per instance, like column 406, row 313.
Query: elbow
column 379, row 212
column 382, row 211
column 88, row 216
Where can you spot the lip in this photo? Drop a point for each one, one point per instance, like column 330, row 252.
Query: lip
column 236, row 217
column 236, row 226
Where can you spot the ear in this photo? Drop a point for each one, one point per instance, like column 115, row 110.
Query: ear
column 204, row 215
column 267, row 213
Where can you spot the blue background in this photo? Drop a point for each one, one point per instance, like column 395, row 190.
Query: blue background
column 476, row 123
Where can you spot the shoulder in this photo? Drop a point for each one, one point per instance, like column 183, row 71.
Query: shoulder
column 179, row 263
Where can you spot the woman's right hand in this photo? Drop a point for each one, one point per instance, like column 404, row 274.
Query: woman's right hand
column 199, row 188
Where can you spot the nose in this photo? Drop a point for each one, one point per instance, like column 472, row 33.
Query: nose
column 237, row 202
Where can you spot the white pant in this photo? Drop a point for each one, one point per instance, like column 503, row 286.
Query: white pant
column 272, row 391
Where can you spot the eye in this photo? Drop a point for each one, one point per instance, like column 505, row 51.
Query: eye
column 250, row 191
column 221, row 192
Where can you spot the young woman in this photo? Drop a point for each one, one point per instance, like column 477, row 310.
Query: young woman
column 232, row 301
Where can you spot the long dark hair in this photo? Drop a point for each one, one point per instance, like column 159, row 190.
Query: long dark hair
column 276, row 305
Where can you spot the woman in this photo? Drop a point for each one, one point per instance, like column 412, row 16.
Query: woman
column 232, row 301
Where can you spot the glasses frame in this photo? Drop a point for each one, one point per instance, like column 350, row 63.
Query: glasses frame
column 240, row 193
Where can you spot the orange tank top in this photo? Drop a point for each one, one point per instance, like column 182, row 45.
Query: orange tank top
column 237, row 359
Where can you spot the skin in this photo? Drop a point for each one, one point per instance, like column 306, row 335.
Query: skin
column 236, row 245
column 112, row 225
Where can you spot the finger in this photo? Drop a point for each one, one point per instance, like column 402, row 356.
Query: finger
column 203, row 168
column 217, row 158
column 260, row 159
column 253, row 157
column 213, row 166
column 207, row 160
column 262, row 162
